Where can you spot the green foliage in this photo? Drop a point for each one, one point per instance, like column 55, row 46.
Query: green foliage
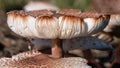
column 8, row 5
column 75, row 4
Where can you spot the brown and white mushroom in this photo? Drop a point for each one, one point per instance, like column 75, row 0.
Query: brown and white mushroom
column 35, row 59
column 65, row 24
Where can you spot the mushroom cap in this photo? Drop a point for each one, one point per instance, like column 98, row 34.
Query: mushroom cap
column 35, row 59
column 64, row 24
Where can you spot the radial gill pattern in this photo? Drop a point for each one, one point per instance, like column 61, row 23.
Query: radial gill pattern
column 63, row 24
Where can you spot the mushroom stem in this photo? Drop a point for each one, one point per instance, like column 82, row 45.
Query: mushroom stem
column 57, row 50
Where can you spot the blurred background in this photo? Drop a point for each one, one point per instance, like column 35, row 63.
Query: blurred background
column 12, row 44
column 8, row 5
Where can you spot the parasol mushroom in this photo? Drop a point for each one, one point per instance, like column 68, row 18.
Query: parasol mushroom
column 35, row 59
column 65, row 24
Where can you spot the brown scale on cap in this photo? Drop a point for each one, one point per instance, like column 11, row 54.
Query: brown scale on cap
column 90, row 14
column 70, row 12
column 35, row 14
column 78, row 13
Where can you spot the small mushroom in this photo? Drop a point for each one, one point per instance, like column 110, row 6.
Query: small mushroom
column 65, row 24
column 35, row 59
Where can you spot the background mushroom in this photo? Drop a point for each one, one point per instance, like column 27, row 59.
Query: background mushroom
column 64, row 24
column 40, row 5
column 36, row 59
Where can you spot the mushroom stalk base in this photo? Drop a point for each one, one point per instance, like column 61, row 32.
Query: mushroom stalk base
column 57, row 50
